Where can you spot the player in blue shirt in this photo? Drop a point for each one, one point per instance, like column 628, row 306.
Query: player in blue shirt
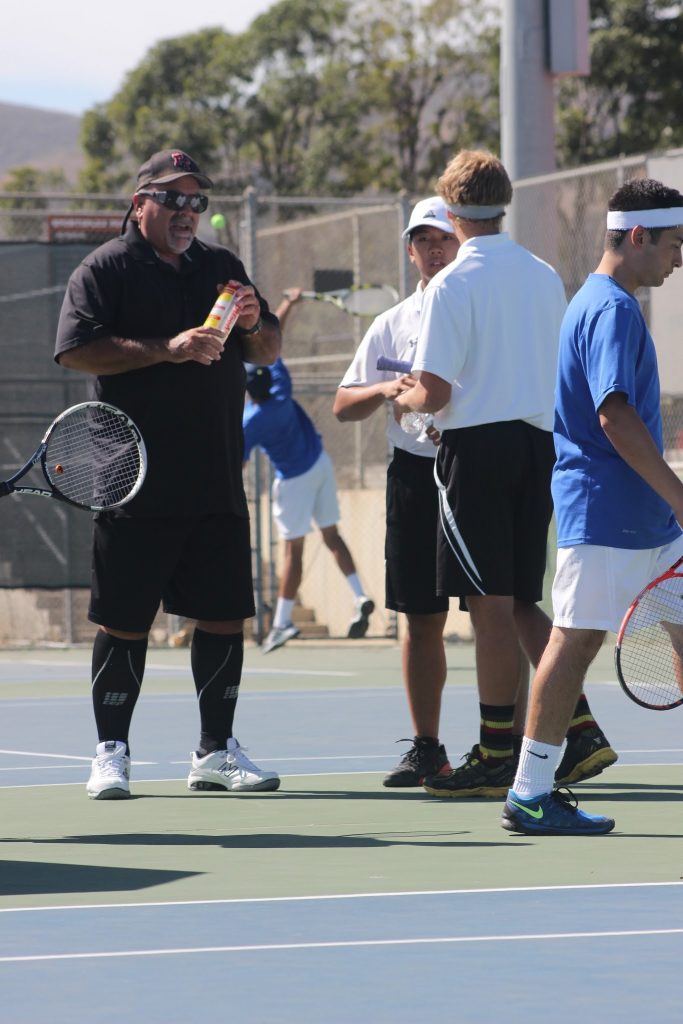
column 304, row 489
column 618, row 504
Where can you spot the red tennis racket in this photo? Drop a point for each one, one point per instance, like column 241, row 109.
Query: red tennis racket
column 649, row 648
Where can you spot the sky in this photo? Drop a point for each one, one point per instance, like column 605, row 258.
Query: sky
column 72, row 54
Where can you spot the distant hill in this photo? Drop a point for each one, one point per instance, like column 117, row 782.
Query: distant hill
column 45, row 139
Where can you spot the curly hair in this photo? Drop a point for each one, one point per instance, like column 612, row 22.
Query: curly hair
column 641, row 194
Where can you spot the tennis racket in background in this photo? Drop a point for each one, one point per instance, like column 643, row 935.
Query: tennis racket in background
column 649, row 647
column 362, row 300
column 92, row 456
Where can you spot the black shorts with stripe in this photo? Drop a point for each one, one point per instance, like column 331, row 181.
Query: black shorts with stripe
column 196, row 567
column 495, row 508
column 410, row 546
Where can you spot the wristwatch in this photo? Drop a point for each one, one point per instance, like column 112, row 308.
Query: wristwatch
column 252, row 330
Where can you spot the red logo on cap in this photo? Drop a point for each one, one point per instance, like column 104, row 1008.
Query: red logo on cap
column 182, row 161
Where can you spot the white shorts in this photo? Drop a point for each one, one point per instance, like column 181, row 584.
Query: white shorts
column 312, row 496
column 594, row 586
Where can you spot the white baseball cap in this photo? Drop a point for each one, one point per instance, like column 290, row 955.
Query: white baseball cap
column 429, row 213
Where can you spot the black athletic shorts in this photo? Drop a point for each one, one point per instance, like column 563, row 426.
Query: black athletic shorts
column 495, row 508
column 199, row 568
column 410, row 546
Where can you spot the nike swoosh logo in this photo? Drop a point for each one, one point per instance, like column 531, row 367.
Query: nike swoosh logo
column 543, row 757
column 538, row 813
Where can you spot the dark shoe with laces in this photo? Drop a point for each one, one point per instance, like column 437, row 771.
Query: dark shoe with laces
column 426, row 757
column 586, row 755
column 552, row 814
column 478, row 776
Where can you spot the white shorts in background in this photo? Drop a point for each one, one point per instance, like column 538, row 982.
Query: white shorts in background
column 312, row 496
column 594, row 586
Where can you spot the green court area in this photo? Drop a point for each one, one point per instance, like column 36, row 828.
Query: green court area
column 326, row 717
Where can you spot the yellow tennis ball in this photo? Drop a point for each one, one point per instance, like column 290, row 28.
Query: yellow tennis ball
column 218, row 221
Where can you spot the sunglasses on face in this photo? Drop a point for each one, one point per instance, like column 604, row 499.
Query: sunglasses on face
column 173, row 200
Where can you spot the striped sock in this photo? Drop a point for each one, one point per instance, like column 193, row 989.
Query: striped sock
column 582, row 717
column 495, row 730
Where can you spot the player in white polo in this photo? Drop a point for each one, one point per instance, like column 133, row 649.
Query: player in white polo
column 410, row 545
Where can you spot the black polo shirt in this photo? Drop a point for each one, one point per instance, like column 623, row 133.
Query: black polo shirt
column 190, row 415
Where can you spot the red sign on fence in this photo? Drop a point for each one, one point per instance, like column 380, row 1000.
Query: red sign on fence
column 83, row 227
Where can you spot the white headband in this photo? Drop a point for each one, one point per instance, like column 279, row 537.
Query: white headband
column 476, row 212
column 624, row 220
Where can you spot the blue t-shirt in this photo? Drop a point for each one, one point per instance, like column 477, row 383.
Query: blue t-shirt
column 281, row 428
column 605, row 347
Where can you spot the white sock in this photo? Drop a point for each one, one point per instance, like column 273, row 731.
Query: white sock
column 356, row 586
column 283, row 613
column 536, row 772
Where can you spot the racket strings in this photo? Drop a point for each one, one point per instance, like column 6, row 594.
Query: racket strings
column 651, row 647
column 93, row 457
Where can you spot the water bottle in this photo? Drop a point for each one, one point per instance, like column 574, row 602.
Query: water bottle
column 415, row 422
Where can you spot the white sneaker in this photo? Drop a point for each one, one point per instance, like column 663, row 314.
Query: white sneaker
column 363, row 609
column 278, row 637
column 230, row 769
column 110, row 772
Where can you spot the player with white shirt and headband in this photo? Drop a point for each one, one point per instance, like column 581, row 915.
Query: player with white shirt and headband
column 619, row 506
column 486, row 361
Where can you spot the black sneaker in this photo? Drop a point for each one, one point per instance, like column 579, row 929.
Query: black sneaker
column 426, row 757
column 585, row 755
column 363, row 607
column 477, row 777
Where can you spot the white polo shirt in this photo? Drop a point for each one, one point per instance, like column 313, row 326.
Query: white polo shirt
column 394, row 334
column 490, row 326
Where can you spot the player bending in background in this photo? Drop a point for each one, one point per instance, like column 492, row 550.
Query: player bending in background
column 617, row 502
column 304, row 488
column 486, row 359
column 132, row 317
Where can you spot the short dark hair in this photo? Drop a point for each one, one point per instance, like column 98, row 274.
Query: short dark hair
column 641, row 194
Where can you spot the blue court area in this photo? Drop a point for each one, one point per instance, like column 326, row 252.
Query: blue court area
column 333, row 899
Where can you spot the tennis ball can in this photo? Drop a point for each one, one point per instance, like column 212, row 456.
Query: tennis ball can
column 224, row 312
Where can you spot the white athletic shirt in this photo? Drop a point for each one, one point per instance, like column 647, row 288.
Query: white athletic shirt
column 392, row 334
column 490, row 326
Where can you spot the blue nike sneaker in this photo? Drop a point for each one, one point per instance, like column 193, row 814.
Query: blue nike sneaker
column 554, row 814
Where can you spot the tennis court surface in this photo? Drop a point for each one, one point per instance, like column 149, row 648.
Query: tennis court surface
column 333, row 899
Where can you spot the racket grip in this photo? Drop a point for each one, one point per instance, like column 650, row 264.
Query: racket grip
column 398, row 365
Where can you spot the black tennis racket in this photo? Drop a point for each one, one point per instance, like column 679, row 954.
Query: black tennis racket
column 649, row 648
column 92, row 456
column 397, row 365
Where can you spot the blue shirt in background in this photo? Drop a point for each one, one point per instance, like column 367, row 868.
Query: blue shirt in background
column 281, row 428
column 605, row 347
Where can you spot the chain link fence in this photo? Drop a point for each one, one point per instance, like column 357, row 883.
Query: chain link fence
column 284, row 242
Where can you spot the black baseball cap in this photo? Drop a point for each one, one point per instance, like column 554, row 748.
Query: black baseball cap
column 259, row 380
column 168, row 165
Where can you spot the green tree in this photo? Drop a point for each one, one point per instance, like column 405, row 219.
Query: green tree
column 31, row 179
column 429, row 74
column 630, row 103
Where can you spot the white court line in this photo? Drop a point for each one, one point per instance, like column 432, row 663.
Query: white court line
column 161, row 667
column 63, row 757
column 394, row 894
column 350, row 944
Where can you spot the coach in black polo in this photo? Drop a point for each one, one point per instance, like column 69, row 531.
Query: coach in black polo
column 132, row 317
